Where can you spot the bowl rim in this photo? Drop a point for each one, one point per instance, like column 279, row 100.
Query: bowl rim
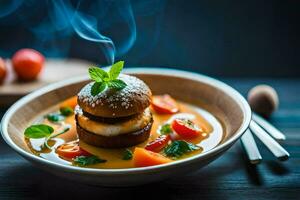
column 240, row 100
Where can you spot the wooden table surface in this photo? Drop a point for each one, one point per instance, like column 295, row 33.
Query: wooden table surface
column 229, row 177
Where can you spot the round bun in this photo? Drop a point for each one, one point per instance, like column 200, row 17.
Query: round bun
column 119, row 141
column 110, row 103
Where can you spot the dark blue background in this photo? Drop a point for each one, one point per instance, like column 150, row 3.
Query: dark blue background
column 219, row 38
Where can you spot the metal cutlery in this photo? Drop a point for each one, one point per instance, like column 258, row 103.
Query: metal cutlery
column 267, row 133
column 250, row 147
column 269, row 142
column 274, row 132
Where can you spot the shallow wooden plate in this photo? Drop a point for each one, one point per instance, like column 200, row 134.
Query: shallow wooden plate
column 54, row 70
column 216, row 97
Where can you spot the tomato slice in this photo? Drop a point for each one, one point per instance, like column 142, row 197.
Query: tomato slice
column 71, row 150
column 186, row 128
column 144, row 158
column 158, row 144
column 164, row 104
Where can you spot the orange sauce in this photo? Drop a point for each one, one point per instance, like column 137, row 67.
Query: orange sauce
column 211, row 138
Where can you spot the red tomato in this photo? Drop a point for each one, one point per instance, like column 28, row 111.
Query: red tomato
column 71, row 150
column 186, row 128
column 2, row 70
column 159, row 143
column 27, row 64
column 164, row 104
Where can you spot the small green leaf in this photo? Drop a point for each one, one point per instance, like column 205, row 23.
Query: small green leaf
column 97, row 74
column 38, row 131
column 45, row 144
column 165, row 129
column 127, row 155
column 87, row 160
column 179, row 147
column 116, row 84
column 115, row 70
column 66, row 111
column 98, row 88
column 55, row 117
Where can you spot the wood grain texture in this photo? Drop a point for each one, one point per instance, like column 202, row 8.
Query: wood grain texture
column 229, row 177
column 54, row 70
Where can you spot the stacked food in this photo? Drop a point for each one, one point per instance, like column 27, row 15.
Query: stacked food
column 116, row 114
column 116, row 129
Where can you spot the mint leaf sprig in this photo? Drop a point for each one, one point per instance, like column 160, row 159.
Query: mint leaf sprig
column 38, row 131
column 105, row 79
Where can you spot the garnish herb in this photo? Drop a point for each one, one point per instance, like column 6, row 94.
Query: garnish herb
column 178, row 148
column 66, row 111
column 105, row 79
column 55, row 117
column 87, row 160
column 115, row 70
column 66, row 128
column 38, row 131
column 165, row 129
column 127, row 155
column 98, row 87
column 117, row 84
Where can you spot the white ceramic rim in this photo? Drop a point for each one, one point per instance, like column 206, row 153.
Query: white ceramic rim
column 158, row 71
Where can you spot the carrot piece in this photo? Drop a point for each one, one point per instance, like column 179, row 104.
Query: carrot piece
column 144, row 158
column 71, row 102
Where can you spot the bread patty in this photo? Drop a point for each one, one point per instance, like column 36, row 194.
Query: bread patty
column 119, row 141
column 110, row 103
column 105, row 129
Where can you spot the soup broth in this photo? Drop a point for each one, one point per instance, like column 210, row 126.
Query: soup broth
column 212, row 135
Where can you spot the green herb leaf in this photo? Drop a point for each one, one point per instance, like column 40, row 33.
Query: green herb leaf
column 103, row 79
column 55, row 117
column 38, row 131
column 66, row 111
column 66, row 128
column 115, row 70
column 127, row 155
column 87, row 160
column 98, row 88
column 97, row 74
column 179, row 148
column 165, row 129
column 116, row 84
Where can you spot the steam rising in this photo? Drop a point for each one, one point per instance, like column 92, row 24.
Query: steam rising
column 109, row 24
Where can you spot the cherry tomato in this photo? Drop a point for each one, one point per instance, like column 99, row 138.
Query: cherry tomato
column 2, row 70
column 27, row 64
column 159, row 143
column 71, row 150
column 186, row 128
column 164, row 104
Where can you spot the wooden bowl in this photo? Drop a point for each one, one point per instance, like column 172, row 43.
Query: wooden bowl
column 216, row 97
